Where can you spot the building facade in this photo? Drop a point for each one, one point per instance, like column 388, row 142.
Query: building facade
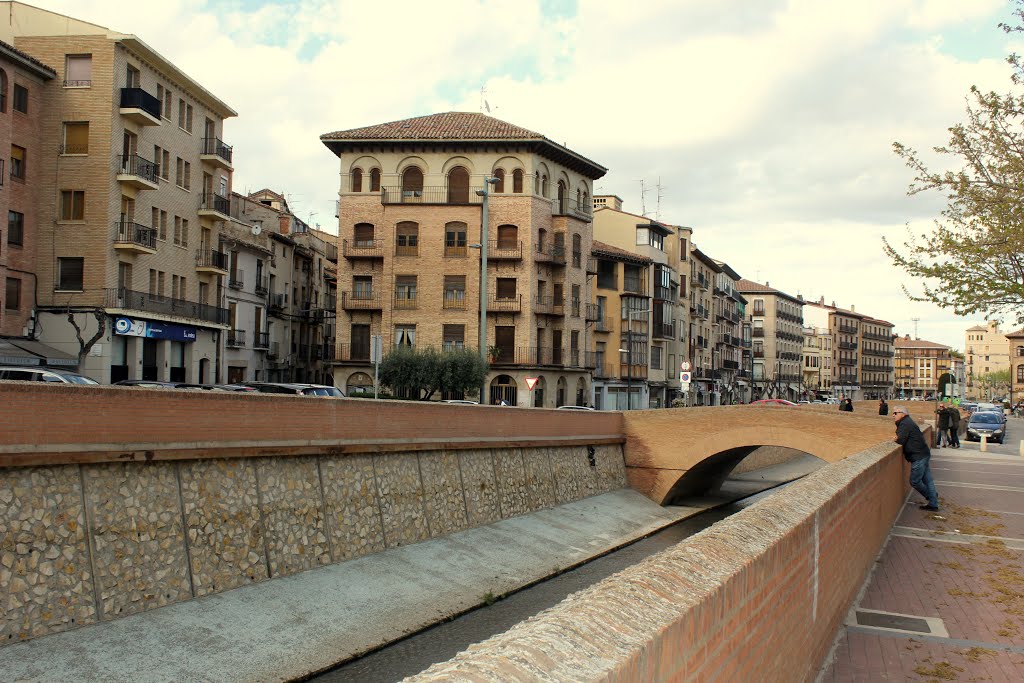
column 817, row 362
column 919, row 366
column 410, row 211
column 987, row 349
column 877, row 372
column 134, row 185
column 1015, row 341
column 777, row 323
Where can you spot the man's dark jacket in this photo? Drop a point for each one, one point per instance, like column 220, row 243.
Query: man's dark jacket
column 909, row 435
column 883, row 408
column 943, row 419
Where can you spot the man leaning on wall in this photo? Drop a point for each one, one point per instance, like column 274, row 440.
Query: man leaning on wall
column 917, row 453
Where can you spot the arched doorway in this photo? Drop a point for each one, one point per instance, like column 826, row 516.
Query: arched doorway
column 538, row 393
column 504, row 388
column 412, row 184
column 359, row 384
column 204, row 371
column 458, row 186
column 560, row 392
column 581, row 392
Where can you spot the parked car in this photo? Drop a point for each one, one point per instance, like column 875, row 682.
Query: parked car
column 151, row 384
column 773, row 402
column 43, row 374
column 461, row 402
column 986, row 424
column 993, row 408
column 575, row 408
column 297, row 389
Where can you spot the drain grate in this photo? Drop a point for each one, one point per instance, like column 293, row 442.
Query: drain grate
column 898, row 622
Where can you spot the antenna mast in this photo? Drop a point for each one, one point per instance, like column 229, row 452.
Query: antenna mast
column 657, row 213
column 643, row 197
column 915, row 321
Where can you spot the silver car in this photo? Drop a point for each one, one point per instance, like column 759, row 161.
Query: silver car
column 40, row 374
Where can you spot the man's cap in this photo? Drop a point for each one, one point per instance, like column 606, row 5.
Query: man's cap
column 900, row 409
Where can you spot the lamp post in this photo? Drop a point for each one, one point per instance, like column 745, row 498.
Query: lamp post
column 629, row 355
column 484, row 193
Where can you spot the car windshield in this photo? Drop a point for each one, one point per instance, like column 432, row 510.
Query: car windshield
column 990, row 418
column 79, row 379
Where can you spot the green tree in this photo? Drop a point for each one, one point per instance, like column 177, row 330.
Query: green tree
column 421, row 373
column 994, row 383
column 973, row 259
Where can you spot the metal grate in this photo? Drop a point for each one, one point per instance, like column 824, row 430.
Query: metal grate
column 893, row 621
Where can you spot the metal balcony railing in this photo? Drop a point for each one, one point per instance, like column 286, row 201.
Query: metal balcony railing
column 361, row 301
column 428, row 195
column 215, row 202
column 505, row 304
column 131, row 300
column 136, row 233
column 261, row 340
column 134, row 165
column 261, row 285
column 504, row 250
column 210, row 258
column 137, row 98
column 236, row 338
column 216, row 147
column 353, row 249
column 236, row 279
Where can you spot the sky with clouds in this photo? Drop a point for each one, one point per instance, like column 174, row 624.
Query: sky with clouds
column 768, row 125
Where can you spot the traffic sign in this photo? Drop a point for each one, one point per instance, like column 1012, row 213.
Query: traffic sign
column 684, row 366
column 684, row 377
column 531, row 382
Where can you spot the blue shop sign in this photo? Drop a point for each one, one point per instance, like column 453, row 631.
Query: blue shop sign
column 144, row 328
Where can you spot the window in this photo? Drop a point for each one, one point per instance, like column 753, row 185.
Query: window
column 20, row 98
column 1020, row 373
column 499, row 175
column 412, row 182
column 405, row 335
column 454, row 291
column 454, row 337
column 15, row 228
column 70, row 273
column 407, row 239
column 72, row 205
column 362, row 287
column 505, row 288
column 181, row 114
column 357, row 180
column 508, row 237
column 180, row 231
column 458, row 186
column 405, row 291
column 165, row 165
column 188, row 118
column 575, row 301
column 168, row 103
column 179, row 172
column 188, row 176
column 517, row 181
column 607, row 275
column 131, row 77
column 3, row 90
column 363, row 234
column 78, row 71
column 544, row 185
column 161, row 232
column 76, row 137
column 577, row 250
column 455, row 239
column 656, row 358
column 12, row 295
column 375, row 180
column 17, row 162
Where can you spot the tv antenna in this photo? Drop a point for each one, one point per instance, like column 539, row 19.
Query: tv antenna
column 485, row 106
column 660, row 187
column 643, row 197
column 915, row 321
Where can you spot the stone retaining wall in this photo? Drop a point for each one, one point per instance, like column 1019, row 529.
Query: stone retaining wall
column 756, row 597
column 81, row 543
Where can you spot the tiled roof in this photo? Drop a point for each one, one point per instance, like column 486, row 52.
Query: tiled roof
column 5, row 47
column 904, row 343
column 1016, row 334
column 452, row 125
column 977, row 328
column 746, row 286
column 876, row 321
column 602, row 249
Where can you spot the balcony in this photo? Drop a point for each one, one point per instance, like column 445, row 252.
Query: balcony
column 405, row 301
column 454, row 300
column 506, row 304
column 634, row 286
column 216, row 153
column 591, row 265
column 277, row 302
column 549, row 305
column 129, row 300
column 847, row 329
column 428, row 195
column 757, row 332
column 261, row 285
column 236, row 279
column 236, row 339
column 211, row 261
column 592, row 313
column 847, row 361
column 361, row 301
column 327, row 351
column 602, row 324
column 848, row 346
column 360, row 249
column 590, row 359
column 139, row 173
column 758, row 354
column 261, row 340
column 534, row 356
column 664, row 330
column 354, row 353
column 213, row 205
column 455, row 250
column 273, row 350
column 332, row 252
column 581, row 209
column 501, row 250
column 638, row 370
column 135, row 238
column 139, row 107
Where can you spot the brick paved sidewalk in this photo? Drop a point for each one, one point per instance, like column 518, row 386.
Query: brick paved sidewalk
column 946, row 599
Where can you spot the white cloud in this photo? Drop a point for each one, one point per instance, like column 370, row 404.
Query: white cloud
column 769, row 123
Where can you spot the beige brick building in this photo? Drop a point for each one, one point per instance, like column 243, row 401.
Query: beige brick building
column 22, row 82
column 986, row 350
column 134, row 186
column 777, row 321
column 409, row 214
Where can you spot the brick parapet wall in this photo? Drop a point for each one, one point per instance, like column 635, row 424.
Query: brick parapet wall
column 755, row 597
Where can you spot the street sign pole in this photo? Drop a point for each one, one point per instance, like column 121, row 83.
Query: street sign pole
column 376, row 351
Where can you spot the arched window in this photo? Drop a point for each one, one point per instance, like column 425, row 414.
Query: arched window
column 359, row 384
column 363, row 236
column 579, row 199
column 561, row 197
column 1020, row 373
column 357, row 180
column 536, row 182
column 581, row 392
column 542, row 238
column 544, row 185
column 374, row 180
column 538, row 393
column 3, row 90
column 585, row 206
column 517, row 181
column 560, row 392
column 458, row 186
column 504, row 391
column 412, row 183
column 455, row 239
column 508, row 236
column 577, row 250
column 499, row 175
column 407, row 238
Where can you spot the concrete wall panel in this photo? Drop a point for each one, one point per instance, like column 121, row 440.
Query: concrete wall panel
column 352, row 505
column 480, row 484
column 442, row 492
column 401, row 500
column 293, row 514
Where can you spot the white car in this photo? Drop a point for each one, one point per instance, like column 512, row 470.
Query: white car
column 575, row 408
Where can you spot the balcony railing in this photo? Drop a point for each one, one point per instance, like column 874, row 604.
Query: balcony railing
column 261, row 285
column 361, row 301
column 592, row 313
column 455, row 250
column 261, row 340
column 506, row 304
column 137, row 98
column 530, row 355
column 131, row 300
column 454, row 301
column 136, row 233
column 236, row 338
column 273, row 350
column 603, row 324
column 581, row 209
column 211, row 258
column 590, row 359
column 757, row 332
column 665, row 330
column 216, row 147
column 353, row 249
column 428, row 195
column 236, row 279
column 504, row 250
column 592, row 265
column 405, row 301
column 354, row 353
column 277, row 302
column 215, row 202
column 134, row 165
column 634, row 286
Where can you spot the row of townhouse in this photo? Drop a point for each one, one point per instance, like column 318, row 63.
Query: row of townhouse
column 593, row 304
column 125, row 247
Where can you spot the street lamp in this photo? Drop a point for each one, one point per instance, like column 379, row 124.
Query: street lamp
column 484, row 193
column 629, row 355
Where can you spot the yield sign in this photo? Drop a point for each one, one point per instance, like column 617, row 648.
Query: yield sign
column 531, row 382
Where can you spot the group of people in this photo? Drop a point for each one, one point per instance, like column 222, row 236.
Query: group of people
column 948, row 426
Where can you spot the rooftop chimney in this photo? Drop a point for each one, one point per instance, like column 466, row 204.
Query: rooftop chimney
column 853, row 309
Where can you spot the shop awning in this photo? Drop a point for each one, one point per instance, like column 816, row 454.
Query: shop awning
column 43, row 354
column 12, row 355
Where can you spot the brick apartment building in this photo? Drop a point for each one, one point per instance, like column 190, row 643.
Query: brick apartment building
column 409, row 215
column 777, row 322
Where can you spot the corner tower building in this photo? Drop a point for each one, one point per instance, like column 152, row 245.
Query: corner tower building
column 409, row 217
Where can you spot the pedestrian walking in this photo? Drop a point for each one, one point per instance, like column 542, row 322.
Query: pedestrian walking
column 846, row 406
column 954, row 427
column 942, row 426
column 883, row 407
column 916, row 452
